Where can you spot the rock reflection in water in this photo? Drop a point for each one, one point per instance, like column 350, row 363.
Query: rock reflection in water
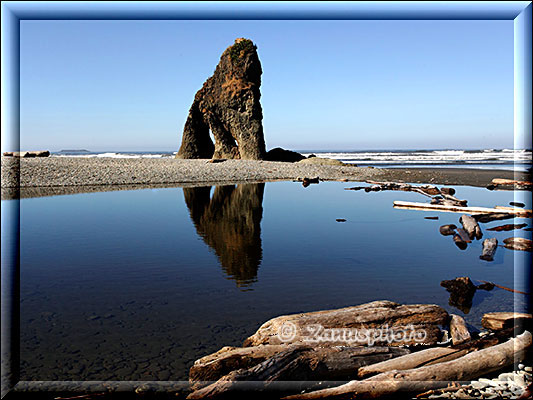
column 230, row 223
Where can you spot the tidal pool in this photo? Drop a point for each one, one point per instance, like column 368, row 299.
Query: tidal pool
column 136, row 285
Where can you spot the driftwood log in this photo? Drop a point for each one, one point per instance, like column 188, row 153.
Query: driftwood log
column 471, row 226
column 468, row 367
column 311, row 363
column 500, row 320
column 489, row 248
column 372, row 323
column 413, row 360
column 502, row 181
column 435, row 355
column 296, row 363
column 409, row 205
column 447, row 230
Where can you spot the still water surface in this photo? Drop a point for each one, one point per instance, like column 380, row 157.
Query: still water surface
column 136, row 285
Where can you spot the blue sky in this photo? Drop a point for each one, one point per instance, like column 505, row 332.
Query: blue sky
column 128, row 85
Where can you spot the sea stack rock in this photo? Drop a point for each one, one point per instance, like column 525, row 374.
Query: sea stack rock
column 228, row 106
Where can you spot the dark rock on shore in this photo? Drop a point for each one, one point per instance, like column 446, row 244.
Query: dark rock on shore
column 27, row 154
column 279, row 154
column 228, row 106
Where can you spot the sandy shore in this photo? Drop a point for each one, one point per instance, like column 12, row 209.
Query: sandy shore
column 36, row 177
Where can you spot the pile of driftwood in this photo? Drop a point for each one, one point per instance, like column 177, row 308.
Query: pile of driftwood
column 442, row 196
column 443, row 200
column 370, row 350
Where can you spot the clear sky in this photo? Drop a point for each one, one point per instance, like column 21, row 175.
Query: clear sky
column 347, row 85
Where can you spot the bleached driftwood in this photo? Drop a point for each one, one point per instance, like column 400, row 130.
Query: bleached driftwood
column 368, row 319
column 501, row 181
column 468, row 367
column 467, row 210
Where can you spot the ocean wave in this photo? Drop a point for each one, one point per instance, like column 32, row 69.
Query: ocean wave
column 493, row 156
column 390, row 157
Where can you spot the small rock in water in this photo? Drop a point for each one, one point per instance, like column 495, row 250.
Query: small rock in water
column 340, row 220
column 431, row 217
column 517, row 204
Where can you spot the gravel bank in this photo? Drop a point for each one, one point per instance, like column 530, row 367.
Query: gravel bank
column 62, row 175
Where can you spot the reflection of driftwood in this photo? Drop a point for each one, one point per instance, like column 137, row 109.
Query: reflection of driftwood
column 470, row 210
column 370, row 319
column 484, row 218
column 465, row 237
column 468, row 367
column 230, row 223
column 518, row 243
column 471, row 226
column 460, row 242
column 489, row 248
column 507, row 227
